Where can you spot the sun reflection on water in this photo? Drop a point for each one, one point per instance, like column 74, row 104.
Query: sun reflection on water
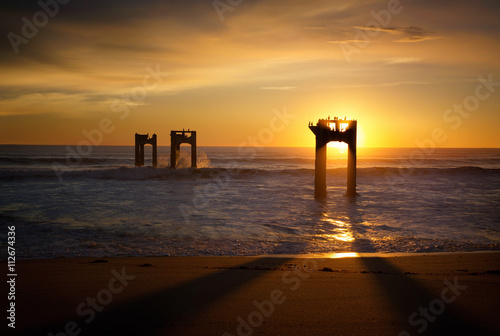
column 341, row 230
column 343, row 255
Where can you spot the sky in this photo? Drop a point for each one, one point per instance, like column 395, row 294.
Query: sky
column 250, row 72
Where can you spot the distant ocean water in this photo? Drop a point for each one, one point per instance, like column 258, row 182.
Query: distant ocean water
column 246, row 201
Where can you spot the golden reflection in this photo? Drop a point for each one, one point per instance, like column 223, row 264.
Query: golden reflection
column 343, row 255
column 341, row 230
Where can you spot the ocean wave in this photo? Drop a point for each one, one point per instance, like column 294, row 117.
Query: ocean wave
column 144, row 173
column 464, row 170
column 24, row 161
column 98, row 246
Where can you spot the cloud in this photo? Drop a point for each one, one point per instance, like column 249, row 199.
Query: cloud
column 402, row 60
column 416, row 34
column 403, row 83
column 282, row 88
column 377, row 84
column 413, row 33
column 390, row 30
column 410, row 39
column 346, row 41
column 41, row 103
column 99, row 50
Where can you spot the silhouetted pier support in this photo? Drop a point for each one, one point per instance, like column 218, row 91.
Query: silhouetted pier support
column 176, row 139
column 320, row 170
column 351, row 161
column 140, row 141
column 327, row 130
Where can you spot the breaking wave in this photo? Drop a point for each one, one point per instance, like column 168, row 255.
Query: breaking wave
column 144, row 173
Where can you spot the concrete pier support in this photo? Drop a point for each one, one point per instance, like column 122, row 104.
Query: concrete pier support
column 176, row 139
column 327, row 130
column 351, row 164
column 140, row 141
column 320, row 170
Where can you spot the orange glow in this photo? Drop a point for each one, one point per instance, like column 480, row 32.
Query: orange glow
column 343, row 255
column 225, row 79
column 340, row 146
column 342, row 230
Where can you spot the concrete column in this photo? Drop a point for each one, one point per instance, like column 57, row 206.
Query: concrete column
column 137, row 151
column 193, row 150
column 141, row 155
column 173, row 159
column 320, row 170
column 351, row 162
column 155, row 150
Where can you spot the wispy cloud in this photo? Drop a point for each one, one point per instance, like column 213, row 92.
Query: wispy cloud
column 390, row 30
column 416, row 34
column 345, row 41
column 410, row 39
column 50, row 102
column 402, row 60
column 403, row 83
column 412, row 33
column 282, row 88
column 374, row 85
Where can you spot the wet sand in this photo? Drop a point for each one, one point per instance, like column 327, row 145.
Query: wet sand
column 431, row 294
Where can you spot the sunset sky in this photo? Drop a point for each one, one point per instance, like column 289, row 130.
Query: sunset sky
column 401, row 69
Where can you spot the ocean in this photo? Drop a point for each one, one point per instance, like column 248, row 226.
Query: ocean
column 66, row 201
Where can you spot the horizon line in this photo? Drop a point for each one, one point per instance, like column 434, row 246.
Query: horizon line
column 229, row 146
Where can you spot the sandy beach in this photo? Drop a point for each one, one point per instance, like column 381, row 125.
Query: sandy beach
column 428, row 294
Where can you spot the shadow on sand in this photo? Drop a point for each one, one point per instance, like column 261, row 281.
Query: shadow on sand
column 162, row 312
column 407, row 295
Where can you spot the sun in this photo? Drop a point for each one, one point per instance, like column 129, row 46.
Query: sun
column 341, row 147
